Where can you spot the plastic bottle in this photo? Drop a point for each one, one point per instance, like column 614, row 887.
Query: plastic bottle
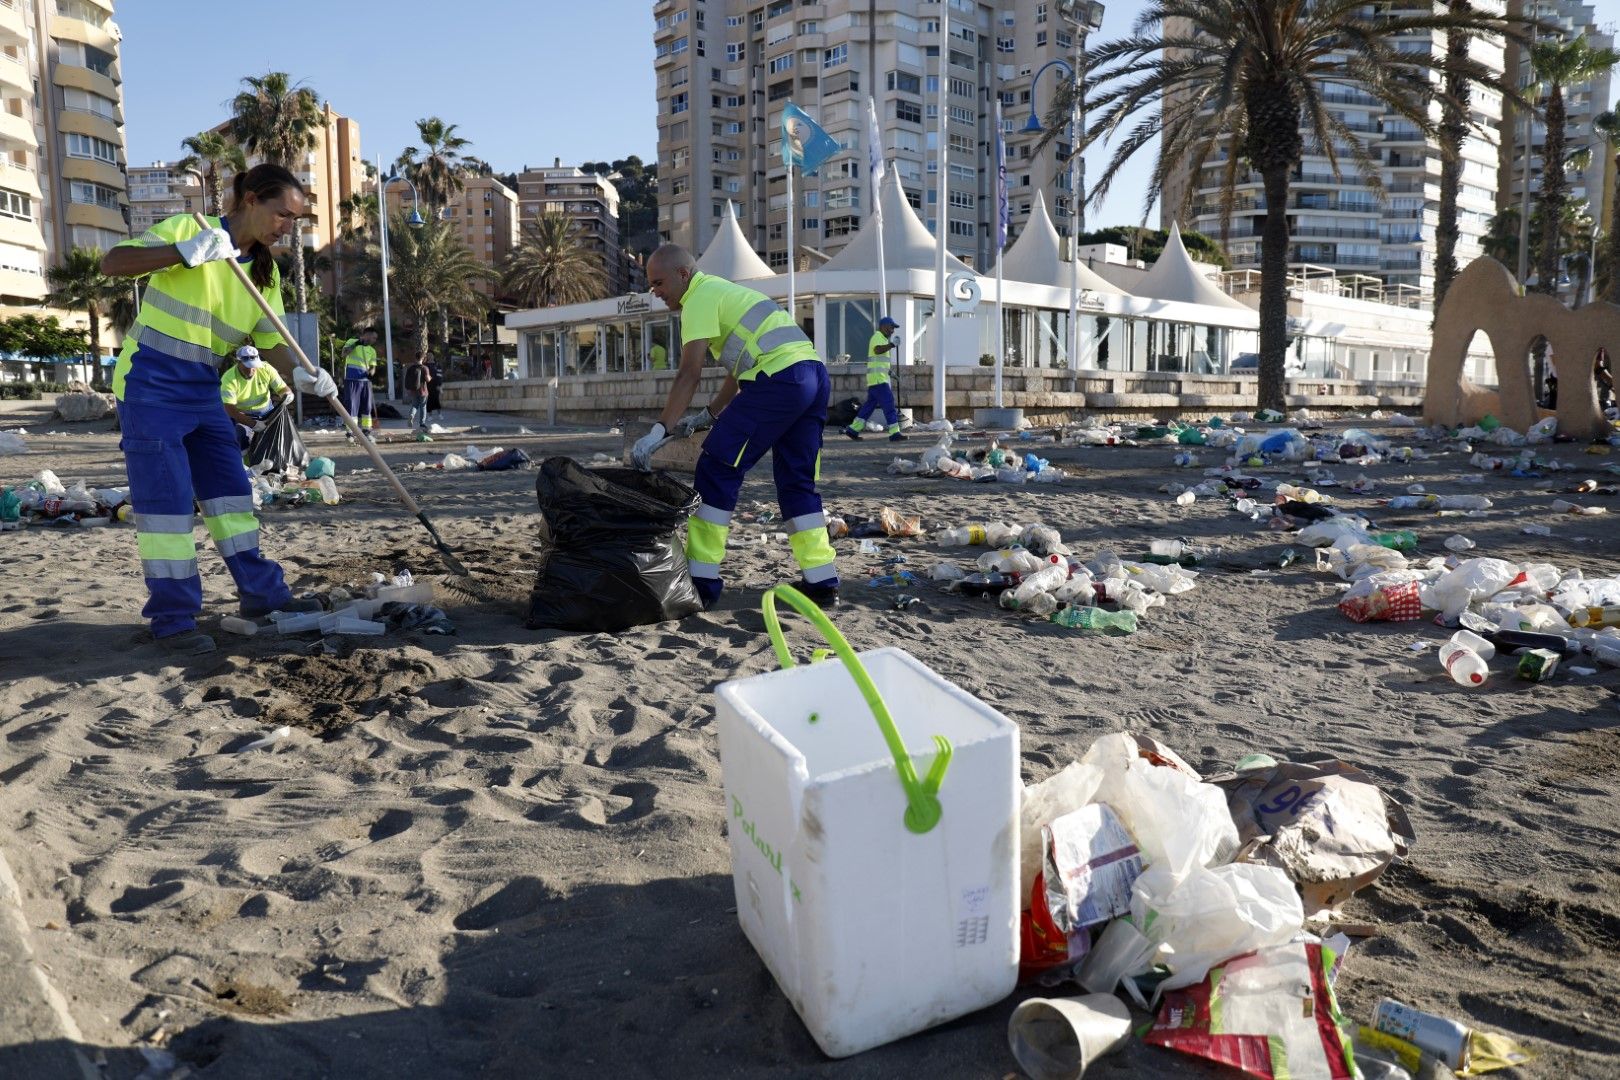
column 1169, row 548
column 1093, row 618
column 1289, row 558
column 1399, row 540
column 1463, row 664
column 1043, row 580
column 963, row 536
column 1606, row 650
column 1186, row 498
column 1010, row 560
column 1470, row 640
column 1041, row 604
column 1080, row 590
column 1595, row 616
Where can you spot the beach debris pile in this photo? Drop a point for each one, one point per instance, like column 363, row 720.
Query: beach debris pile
column 386, row 603
column 1209, row 901
column 45, row 500
column 498, row 459
column 987, row 464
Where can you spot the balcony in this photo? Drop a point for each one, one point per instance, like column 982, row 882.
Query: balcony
column 85, row 122
column 94, row 170
column 64, row 28
column 96, row 216
column 18, row 129
column 13, row 31
column 14, row 73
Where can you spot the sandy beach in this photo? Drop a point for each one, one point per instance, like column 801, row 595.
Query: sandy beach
column 501, row 853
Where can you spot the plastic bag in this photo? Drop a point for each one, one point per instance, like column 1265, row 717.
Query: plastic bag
column 1180, row 823
column 12, row 443
column 611, row 557
column 1278, row 1000
column 502, row 460
column 277, row 447
column 1063, row 792
column 1214, row 914
column 1473, row 579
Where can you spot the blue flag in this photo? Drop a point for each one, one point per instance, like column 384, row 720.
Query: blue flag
column 803, row 142
column 1003, row 211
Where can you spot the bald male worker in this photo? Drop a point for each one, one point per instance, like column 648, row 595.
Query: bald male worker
column 774, row 399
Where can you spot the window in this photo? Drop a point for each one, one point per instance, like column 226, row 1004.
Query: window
column 16, row 204
column 965, row 200
column 963, row 88
column 678, row 46
column 84, row 101
column 734, row 20
column 679, row 185
column 961, row 144
column 1004, row 44
column 1065, row 40
column 904, row 82
column 908, row 111
column 778, row 91
column 779, row 64
column 964, row 228
column 1040, row 14
column 85, row 146
column 735, row 51
column 81, row 10
column 82, row 191
column 677, row 103
column 907, row 54
column 831, row 58
column 810, row 26
column 842, row 198
column 733, row 127
column 812, row 198
column 733, row 101
column 700, row 51
column 1040, row 39
column 962, row 116
column 758, row 21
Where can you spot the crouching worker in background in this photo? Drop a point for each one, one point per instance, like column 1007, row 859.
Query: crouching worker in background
column 250, row 391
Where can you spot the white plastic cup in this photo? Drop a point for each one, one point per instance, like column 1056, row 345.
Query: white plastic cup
column 1059, row 1038
column 1471, row 640
column 1120, row 950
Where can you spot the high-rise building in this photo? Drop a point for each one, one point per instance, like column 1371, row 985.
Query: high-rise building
column 487, row 213
column 726, row 69
column 161, row 190
column 61, row 139
column 1591, row 185
column 1339, row 221
column 590, row 200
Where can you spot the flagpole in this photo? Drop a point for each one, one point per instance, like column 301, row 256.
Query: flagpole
column 875, row 158
column 942, row 210
column 793, row 299
column 1001, row 243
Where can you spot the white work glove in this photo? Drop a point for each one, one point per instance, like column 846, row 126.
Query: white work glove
column 319, row 384
column 693, row 422
column 258, row 427
column 207, row 246
column 641, row 453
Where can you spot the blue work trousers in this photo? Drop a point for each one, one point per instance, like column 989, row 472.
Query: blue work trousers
column 175, row 457
column 878, row 396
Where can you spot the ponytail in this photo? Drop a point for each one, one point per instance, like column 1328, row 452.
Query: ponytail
column 265, row 181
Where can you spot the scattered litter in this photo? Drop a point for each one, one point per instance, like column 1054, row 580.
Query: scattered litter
column 269, row 740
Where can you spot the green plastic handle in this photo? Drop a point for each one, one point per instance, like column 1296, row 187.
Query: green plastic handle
column 922, row 796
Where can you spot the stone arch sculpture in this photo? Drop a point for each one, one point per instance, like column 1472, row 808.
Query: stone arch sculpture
column 1485, row 297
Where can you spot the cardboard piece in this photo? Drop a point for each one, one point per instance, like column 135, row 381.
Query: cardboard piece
column 677, row 455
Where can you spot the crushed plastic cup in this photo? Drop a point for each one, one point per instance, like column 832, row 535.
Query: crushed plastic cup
column 1186, row 498
column 1060, row 1038
column 1120, row 951
column 1459, row 543
column 268, row 741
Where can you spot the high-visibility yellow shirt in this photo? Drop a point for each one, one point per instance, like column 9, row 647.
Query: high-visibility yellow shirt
column 190, row 317
column 359, row 361
column 660, row 358
column 747, row 331
column 877, row 363
column 252, row 393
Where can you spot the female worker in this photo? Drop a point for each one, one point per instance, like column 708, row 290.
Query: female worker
column 178, row 442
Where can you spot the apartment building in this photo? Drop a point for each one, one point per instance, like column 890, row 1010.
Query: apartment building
column 1339, row 221
column 726, row 69
column 486, row 213
column 61, row 139
column 161, row 190
column 1591, row 184
column 590, row 200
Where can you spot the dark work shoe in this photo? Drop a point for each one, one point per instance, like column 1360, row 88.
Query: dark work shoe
column 293, row 606
column 824, row 594
column 896, row 437
column 186, row 643
column 852, row 433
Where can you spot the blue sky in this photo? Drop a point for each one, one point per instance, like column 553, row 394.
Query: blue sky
column 526, row 81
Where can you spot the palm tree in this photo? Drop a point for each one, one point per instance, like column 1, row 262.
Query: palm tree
column 1558, row 64
column 79, row 283
column 1501, row 239
column 357, row 217
column 1243, row 80
column 1453, row 129
column 551, row 266
column 212, row 152
column 279, row 122
column 1607, row 128
column 429, row 269
column 437, row 168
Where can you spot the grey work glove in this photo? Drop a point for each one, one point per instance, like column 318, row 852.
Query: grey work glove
column 641, row 453
column 693, row 422
column 207, row 246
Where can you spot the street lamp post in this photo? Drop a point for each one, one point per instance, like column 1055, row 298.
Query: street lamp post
column 1082, row 16
column 415, row 220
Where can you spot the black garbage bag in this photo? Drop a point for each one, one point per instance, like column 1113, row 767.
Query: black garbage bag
column 610, row 554
column 841, row 414
column 278, row 446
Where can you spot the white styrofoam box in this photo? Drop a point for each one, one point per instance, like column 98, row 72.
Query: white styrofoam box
column 872, row 931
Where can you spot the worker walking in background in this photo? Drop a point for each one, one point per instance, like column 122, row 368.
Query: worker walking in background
column 250, row 391
column 178, row 441
column 359, row 361
column 879, row 391
column 774, row 400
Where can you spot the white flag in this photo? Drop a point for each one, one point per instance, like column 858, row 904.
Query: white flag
column 874, row 152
